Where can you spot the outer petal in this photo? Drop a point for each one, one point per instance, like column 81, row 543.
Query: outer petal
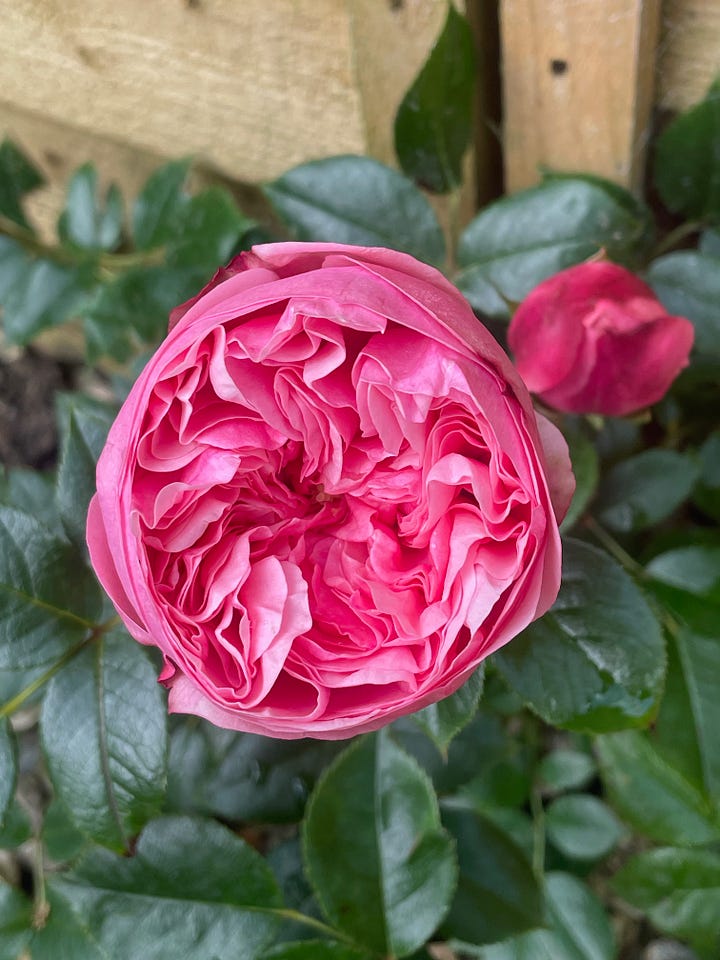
column 595, row 339
column 327, row 497
column 103, row 563
column 558, row 468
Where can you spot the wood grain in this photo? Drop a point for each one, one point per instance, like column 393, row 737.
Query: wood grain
column 689, row 51
column 577, row 86
column 249, row 88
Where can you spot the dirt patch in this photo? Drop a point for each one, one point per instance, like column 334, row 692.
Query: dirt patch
column 28, row 383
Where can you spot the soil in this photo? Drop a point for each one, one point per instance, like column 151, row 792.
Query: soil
column 28, row 432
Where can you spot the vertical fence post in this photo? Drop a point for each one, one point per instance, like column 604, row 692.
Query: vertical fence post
column 578, row 85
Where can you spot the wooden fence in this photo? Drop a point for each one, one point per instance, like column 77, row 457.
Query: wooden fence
column 252, row 87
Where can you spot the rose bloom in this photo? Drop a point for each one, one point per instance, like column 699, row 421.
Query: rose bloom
column 595, row 339
column 326, row 499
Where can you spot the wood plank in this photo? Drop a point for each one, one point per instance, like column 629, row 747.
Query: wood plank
column 577, row 86
column 249, row 87
column 689, row 51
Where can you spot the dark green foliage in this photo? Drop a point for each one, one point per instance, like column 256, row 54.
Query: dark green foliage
column 520, row 240
column 359, row 201
column 434, row 121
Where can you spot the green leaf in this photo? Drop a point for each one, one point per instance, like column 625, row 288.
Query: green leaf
column 709, row 242
column 656, row 799
column 444, row 720
column 15, row 922
column 14, row 682
column 359, row 201
column 699, row 612
column 565, row 770
column 579, row 928
column 18, row 176
column 84, row 427
column 14, row 263
column 512, row 821
column 239, row 776
column 680, row 892
column 382, row 867
column 285, row 861
column 16, row 828
column 582, row 827
column 103, row 727
column 159, row 209
column 700, row 659
column 688, row 284
column 707, row 490
column 315, row 950
column 617, row 438
column 209, row 230
column 63, row 841
column 673, row 733
column 484, row 761
column 31, row 492
column 43, row 295
column 685, row 171
column 83, row 222
column 433, row 124
column 522, row 239
column 497, row 894
column 695, row 569
column 686, row 580
column 644, row 490
column 8, row 769
column 686, row 727
column 589, row 664
column 66, row 933
column 49, row 600
column 585, row 466
column 135, row 307
column 500, row 783
column 191, row 889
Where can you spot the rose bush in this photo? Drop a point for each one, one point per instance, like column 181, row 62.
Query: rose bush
column 327, row 498
column 595, row 339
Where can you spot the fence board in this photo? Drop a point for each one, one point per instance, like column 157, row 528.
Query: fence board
column 250, row 87
column 689, row 52
column 577, row 86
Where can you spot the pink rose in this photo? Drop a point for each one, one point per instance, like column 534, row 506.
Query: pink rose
column 595, row 339
column 326, row 498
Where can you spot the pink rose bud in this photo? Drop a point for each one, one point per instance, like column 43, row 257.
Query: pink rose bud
column 327, row 498
column 595, row 339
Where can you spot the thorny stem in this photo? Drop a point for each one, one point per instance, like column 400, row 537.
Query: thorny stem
column 117, row 262
column 613, row 547
column 676, row 237
column 41, row 907
column 538, row 852
column 318, row 925
column 632, row 567
column 110, row 264
column 34, row 245
column 19, row 699
column 453, row 215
